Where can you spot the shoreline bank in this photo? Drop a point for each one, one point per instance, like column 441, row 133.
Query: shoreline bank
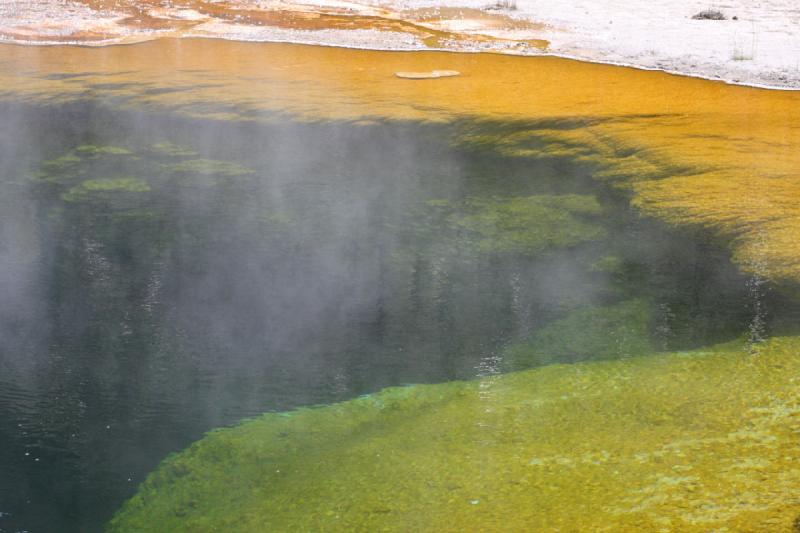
column 760, row 47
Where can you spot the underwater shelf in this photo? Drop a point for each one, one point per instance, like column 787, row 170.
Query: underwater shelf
column 687, row 441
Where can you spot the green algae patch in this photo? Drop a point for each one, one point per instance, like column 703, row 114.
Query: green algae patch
column 95, row 150
column 692, row 441
column 172, row 150
column 608, row 332
column 529, row 224
column 65, row 160
column 608, row 263
column 208, row 167
column 98, row 188
column 80, row 174
column 59, row 170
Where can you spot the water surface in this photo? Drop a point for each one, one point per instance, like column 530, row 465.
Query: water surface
column 164, row 276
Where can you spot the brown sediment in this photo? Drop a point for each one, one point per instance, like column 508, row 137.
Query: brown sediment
column 150, row 19
column 689, row 151
column 314, row 21
column 487, row 18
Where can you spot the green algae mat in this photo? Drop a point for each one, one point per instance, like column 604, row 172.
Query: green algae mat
column 691, row 441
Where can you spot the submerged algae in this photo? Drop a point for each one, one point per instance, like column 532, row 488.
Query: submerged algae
column 118, row 196
column 96, row 150
column 167, row 148
column 98, row 188
column 530, row 224
column 691, row 441
column 207, row 167
column 590, row 333
column 81, row 170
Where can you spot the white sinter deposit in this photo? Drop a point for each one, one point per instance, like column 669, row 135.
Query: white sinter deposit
column 758, row 43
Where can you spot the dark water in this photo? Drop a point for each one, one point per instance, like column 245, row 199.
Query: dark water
column 162, row 276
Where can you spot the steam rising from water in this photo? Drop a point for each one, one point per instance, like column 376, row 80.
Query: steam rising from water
column 162, row 276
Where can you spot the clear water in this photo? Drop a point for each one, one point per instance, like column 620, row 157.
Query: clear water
column 163, row 276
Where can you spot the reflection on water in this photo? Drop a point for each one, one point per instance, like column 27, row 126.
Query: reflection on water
column 163, row 276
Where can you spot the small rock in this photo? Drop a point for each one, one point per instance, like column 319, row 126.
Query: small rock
column 709, row 14
column 427, row 75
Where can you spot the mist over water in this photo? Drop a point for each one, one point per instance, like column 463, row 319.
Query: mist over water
column 161, row 276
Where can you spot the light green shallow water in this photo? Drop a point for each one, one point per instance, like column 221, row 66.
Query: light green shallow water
column 691, row 441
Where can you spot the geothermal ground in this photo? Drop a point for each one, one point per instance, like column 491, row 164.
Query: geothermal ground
column 754, row 44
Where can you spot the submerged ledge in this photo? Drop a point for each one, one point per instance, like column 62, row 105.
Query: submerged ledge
column 689, row 441
column 753, row 46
